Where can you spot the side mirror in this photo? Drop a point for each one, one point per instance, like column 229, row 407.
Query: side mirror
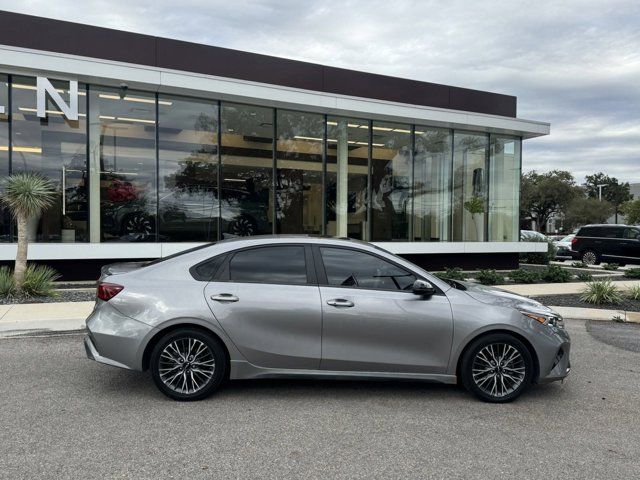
column 423, row 288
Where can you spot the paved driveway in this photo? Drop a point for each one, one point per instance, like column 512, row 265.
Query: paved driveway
column 62, row 416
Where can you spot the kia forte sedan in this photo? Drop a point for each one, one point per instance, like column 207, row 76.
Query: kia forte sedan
column 315, row 307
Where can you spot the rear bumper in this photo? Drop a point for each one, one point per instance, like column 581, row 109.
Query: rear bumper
column 115, row 339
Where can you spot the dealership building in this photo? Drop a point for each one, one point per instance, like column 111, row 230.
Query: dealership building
column 156, row 145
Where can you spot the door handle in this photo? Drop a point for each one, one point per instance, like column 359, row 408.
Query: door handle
column 340, row 302
column 224, row 297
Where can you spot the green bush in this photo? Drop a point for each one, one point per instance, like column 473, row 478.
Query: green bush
column 38, row 281
column 540, row 258
column 584, row 276
column 578, row 265
column 601, row 293
column 632, row 273
column 524, row 276
column 489, row 277
column 633, row 292
column 555, row 274
column 454, row 273
column 610, row 266
column 7, row 284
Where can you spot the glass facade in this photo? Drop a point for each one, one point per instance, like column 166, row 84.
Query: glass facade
column 56, row 148
column 145, row 167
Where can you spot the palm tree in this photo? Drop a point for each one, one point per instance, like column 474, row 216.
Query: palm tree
column 27, row 195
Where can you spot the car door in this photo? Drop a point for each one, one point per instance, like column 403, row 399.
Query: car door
column 631, row 243
column 373, row 322
column 267, row 300
column 612, row 241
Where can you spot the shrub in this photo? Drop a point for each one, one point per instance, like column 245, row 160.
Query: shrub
column 579, row 265
column 555, row 274
column 633, row 292
column 610, row 266
column 584, row 276
column 632, row 273
column 524, row 276
column 38, row 281
column 7, row 283
column 489, row 277
column 540, row 258
column 454, row 273
column 601, row 293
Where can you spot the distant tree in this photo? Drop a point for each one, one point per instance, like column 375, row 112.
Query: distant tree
column 581, row 211
column 632, row 211
column 613, row 191
column 545, row 194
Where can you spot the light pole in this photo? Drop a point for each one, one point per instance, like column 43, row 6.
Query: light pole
column 600, row 190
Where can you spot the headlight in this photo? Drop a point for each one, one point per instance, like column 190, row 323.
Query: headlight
column 546, row 318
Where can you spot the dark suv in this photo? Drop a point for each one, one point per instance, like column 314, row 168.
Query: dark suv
column 613, row 243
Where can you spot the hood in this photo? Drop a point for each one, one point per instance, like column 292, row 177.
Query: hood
column 497, row 296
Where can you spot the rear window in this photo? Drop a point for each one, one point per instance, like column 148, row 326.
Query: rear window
column 590, row 232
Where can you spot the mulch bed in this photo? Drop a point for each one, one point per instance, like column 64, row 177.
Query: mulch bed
column 65, row 296
column 573, row 300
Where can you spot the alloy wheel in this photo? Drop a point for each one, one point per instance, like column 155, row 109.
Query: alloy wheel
column 186, row 365
column 589, row 258
column 139, row 224
column 498, row 369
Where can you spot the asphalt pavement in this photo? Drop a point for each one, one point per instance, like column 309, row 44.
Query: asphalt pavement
column 65, row 417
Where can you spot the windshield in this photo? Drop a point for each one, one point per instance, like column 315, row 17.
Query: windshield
column 568, row 238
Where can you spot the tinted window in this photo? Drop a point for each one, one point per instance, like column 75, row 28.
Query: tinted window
column 632, row 233
column 348, row 268
column 206, row 270
column 590, row 232
column 612, row 232
column 284, row 264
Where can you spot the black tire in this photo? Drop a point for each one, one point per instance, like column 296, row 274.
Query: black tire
column 217, row 354
column 471, row 355
column 590, row 257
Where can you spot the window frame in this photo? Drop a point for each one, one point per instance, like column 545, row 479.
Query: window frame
column 324, row 282
column 224, row 272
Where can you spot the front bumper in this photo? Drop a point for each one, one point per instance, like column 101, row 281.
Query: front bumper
column 115, row 339
column 555, row 364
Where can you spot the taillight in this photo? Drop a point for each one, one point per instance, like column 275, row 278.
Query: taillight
column 574, row 240
column 106, row 291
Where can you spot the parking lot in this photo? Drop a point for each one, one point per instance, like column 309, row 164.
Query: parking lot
column 63, row 416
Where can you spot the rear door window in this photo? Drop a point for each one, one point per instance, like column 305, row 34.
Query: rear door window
column 284, row 264
column 632, row 233
column 612, row 232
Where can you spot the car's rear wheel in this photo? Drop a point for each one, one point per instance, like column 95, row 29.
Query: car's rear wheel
column 497, row 368
column 590, row 257
column 188, row 364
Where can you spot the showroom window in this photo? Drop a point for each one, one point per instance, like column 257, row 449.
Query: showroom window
column 391, row 173
column 432, row 184
column 280, row 264
column 5, row 217
column 470, row 155
column 56, row 148
column 347, row 177
column 247, row 170
column 299, row 172
column 122, row 132
column 188, row 207
column 504, row 189
column 349, row 268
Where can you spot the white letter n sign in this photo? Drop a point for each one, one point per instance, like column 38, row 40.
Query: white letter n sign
column 70, row 111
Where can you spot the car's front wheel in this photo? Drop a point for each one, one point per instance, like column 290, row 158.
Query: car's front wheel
column 188, row 364
column 497, row 368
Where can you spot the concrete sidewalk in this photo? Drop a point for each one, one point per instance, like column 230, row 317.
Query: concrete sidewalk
column 539, row 289
column 49, row 317
column 70, row 316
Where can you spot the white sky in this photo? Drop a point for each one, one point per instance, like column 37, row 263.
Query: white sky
column 575, row 64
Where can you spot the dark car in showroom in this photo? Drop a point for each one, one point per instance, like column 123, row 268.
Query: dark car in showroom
column 612, row 243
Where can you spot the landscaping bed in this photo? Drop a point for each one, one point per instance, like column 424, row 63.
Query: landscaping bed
column 573, row 300
column 60, row 296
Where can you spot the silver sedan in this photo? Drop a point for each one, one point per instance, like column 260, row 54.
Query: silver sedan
column 313, row 307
